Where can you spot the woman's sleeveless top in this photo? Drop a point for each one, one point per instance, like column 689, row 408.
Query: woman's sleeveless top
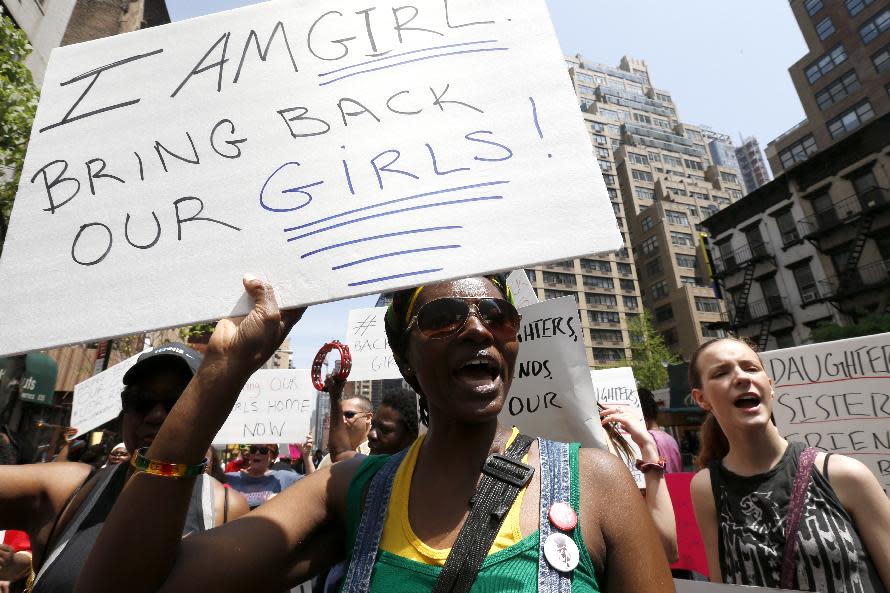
column 751, row 513
column 70, row 551
column 514, row 569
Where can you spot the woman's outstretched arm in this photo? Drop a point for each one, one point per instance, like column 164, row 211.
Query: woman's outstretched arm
column 140, row 542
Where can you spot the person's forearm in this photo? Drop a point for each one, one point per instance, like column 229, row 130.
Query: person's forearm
column 338, row 439
column 308, row 463
column 19, row 568
column 661, row 508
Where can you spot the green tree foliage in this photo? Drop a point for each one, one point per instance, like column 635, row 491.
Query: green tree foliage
column 866, row 326
column 18, row 104
column 650, row 355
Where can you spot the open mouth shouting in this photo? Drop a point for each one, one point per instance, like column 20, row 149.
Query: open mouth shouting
column 749, row 402
column 481, row 372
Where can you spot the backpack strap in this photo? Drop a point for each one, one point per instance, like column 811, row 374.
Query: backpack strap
column 503, row 476
column 370, row 528
column 795, row 511
column 556, row 486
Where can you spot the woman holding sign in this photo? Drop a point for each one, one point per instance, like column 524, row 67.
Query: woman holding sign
column 774, row 513
column 465, row 508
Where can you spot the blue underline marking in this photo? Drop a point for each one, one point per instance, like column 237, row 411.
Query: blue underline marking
column 416, row 51
column 394, row 254
column 388, row 202
column 384, row 236
column 399, row 211
column 402, row 63
column 394, row 276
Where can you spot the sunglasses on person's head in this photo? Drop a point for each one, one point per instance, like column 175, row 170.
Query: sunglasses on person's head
column 143, row 401
column 447, row 316
column 260, row 450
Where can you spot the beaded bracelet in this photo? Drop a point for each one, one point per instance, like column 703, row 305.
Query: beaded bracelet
column 647, row 466
column 345, row 363
column 162, row 468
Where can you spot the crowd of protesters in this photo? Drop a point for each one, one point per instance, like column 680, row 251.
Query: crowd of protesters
column 461, row 503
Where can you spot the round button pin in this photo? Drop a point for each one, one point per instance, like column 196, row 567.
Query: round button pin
column 562, row 516
column 561, row 552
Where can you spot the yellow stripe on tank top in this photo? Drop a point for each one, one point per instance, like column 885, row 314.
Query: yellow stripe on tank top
column 398, row 538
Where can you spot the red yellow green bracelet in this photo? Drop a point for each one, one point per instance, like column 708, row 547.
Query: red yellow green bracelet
column 162, row 468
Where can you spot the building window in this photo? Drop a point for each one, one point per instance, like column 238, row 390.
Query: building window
column 608, row 300
column 707, row 305
column 659, row 290
column 643, row 119
column 601, row 140
column 664, row 313
column 798, row 152
column 603, row 316
column 875, row 26
column 784, row 339
column 689, row 281
column 806, row 284
column 607, row 354
column 605, row 167
column 627, row 285
column 623, row 268
column 881, row 59
column 685, row 261
column 854, row 7
column 557, row 278
column 787, row 228
column 630, row 302
column 696, row 165
column 598, row 282
column 603, row 153
column 649, row 245
column 653, row 267
column 608, row 179
column 613, row 194
column 596, row 265
column 825, row 28
column 616, row 208
column 609, row 114
column 812, row 6
column 644, row 193
column 672, row 160
column 662, row 123
column 655, row 157
column 826, row 63
column 838, row 90
column 729, row 177
column 597, row 127
column 675, row 217
column 684, row 239
column 850, row 120
column 639, row 159
column 586, row 90
column 646, row 223
column 550, row 293
column 606, row 335
column 642, row 175
column 708, row 332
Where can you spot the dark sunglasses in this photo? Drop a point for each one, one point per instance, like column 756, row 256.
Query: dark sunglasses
column 142, row 401
column 445, row 317
column 350, row 414
column 260, row 450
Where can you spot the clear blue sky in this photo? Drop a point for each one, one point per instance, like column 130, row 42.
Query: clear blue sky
column 724, row 63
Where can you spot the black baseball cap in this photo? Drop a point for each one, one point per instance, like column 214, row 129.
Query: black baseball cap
column 169, row 355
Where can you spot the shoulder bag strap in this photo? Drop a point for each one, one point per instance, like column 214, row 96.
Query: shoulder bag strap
column 555, row 487
column 503, row 476
column 370, row 528
column 795, row 510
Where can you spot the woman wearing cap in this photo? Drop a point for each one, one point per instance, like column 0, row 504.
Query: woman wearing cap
column 456, row 344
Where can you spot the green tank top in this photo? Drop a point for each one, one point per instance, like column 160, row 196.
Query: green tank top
column 513, row 570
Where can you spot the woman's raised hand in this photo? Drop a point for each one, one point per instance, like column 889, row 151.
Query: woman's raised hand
column 630, row 423
column 245, row 343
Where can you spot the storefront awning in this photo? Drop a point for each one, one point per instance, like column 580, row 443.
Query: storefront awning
column 39, row 379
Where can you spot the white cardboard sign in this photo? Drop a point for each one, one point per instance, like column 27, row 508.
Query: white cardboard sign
column 523, row 292
column 618, row 388
column 334, row 152
column 98, row 399
column 551, row 394
column 275, row 406
column 366, row 338
column 835, row 396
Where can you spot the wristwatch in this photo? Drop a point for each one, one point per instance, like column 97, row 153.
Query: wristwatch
column 646, row 466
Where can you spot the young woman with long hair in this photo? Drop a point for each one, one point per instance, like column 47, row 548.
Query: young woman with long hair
column 745, row 497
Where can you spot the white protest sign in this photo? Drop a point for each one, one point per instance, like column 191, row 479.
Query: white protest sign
column 98, row 399
column 551, row 395
column 334, row 152
column 275, row 406
column 366, row 338
column 618, row 388
column 684, row 586
column 835, row 396
column 521, row 289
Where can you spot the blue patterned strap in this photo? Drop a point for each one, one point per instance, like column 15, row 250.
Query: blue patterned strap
column 556, row 484
column 370, row 528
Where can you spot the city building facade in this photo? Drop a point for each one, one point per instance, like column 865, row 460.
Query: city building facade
column 844, row 79
column 752, row 164
column 810, row 247
column 662, row 182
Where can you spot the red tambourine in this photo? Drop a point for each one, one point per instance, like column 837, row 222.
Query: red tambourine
column 345, row 363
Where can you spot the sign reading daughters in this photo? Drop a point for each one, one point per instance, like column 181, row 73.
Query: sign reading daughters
column 333, row 151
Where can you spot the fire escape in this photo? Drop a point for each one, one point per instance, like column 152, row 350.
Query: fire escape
column 743, row 314
column 859, row 215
